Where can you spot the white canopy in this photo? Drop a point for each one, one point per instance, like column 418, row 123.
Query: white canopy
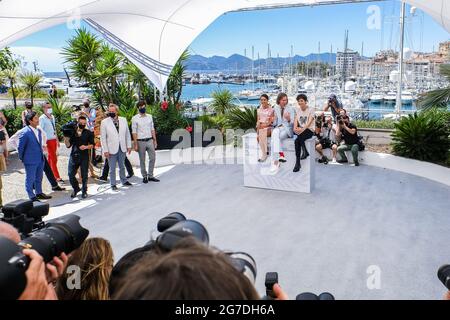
column 152, row 33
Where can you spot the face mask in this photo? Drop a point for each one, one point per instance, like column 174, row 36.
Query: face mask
column 112, row 114
column 142, row 110
column 49, row 111
column 81, row 126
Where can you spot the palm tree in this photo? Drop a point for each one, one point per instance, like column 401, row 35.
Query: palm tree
column 136, row 77
column 437, row 98
column 242, row 119
column 30, row 81
column 81, row 54
column 222, row 101
column 175, row 81
column 11, row 76
column 8, row 70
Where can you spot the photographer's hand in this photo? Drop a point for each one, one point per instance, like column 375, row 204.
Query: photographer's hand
column 37, row 286
column 279, row 293
column 55, row 268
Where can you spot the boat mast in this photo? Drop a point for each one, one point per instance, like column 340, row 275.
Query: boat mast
column 400, row 59
column 253, row 68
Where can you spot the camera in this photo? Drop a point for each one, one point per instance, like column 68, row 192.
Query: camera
column 320, row 121
column 175, row 227
column 2, row 136
column 272, row 279
column 69, row 129
column 49, row 239
column 444, row 275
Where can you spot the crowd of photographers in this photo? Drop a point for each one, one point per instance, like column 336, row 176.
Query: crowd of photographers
column 57, row 261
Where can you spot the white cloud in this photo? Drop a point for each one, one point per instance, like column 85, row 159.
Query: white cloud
column 48, row 59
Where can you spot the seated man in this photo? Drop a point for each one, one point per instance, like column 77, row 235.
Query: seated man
column 349, row 134
column 326, row 140
column 283, row 128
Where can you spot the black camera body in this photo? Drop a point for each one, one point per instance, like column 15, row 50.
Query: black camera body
column 69, row 129
column 49, row 239
column 2, row 136
column 175, row 227
column 25, row 215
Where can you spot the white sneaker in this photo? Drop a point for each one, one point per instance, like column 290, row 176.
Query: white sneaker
column 274, row 168
column 334, row 162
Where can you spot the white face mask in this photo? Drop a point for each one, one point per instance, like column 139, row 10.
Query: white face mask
column 49, row 111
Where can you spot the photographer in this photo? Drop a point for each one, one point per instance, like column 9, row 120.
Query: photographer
column 40, row 276
column 326, row 140
column 334, row 104
column 349, row 134
column 95, row 259
column 190, row 271
column 81, row 142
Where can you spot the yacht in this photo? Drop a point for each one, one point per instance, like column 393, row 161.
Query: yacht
column 376, row 97
column 407, row 97
column 249, row 95
column 391, row 96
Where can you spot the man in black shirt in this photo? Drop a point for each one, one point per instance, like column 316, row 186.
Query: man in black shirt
column 81, row 142
column 349, row 134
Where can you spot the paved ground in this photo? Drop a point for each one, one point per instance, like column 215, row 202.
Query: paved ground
column 324, row 241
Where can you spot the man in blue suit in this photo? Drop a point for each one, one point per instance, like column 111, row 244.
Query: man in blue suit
column 32, row 156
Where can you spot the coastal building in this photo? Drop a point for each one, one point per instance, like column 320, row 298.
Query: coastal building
column 346, row 62
column 444, row 49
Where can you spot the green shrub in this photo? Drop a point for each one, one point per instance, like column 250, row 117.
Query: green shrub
column 62, row 113
column 14, row 117
column 375, row 124
column 242, row 119
column 212, row 122
column 169, row 120
column 423, row 136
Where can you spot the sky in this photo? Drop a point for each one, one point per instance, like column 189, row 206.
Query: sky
column 302, row 28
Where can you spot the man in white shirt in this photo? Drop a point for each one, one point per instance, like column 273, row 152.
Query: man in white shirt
column 144, row 138
column 48, row 125
column 116, row 142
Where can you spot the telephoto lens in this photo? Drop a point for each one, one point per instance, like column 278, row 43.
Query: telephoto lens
column 244, row 263
column 444, row 275
column 169, row 220
column 63, row 234
column 183, row 229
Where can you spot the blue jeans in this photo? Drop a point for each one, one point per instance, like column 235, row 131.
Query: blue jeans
column 33, row 180
column 119, row 158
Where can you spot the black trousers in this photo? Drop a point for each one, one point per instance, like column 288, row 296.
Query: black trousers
column 128, row 166
column 83, row 164
column 300, row 141
column 49, row 174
